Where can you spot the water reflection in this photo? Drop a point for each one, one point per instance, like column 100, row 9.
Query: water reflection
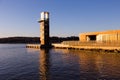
column 98, row 65
column 57, row 64
column 94, row 65
column 44, row 64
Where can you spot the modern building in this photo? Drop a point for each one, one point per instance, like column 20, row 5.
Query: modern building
column 104, row 36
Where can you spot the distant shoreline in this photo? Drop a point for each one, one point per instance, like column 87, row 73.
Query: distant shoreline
column 27, row 40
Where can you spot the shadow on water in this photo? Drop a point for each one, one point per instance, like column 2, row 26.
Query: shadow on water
column 44, row 64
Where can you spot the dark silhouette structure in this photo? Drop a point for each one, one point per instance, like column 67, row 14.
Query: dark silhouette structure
column 44, row 30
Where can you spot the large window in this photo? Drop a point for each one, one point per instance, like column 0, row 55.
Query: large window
column 91, row 38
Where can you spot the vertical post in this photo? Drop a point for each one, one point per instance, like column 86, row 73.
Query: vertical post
column 44, row 30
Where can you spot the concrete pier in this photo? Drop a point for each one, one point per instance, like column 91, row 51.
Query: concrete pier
column 36, row 46
column 91, row 48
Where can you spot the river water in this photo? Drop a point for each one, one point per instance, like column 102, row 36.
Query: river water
column 20, row 63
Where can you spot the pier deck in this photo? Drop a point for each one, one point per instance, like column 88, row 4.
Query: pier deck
column 37, row 46
column 81, row 47
column 95, row 48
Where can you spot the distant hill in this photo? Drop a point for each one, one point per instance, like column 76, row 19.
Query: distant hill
column 60, row 39
column 35, row 39
column 20, row 40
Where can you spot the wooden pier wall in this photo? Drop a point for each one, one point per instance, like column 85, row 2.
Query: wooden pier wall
column 81, row 47
column 37, row 46
column 92, row 48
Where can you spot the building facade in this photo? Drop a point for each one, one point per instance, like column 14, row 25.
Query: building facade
column 104, row 36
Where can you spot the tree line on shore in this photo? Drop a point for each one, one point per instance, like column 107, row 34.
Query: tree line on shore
column 53, row 39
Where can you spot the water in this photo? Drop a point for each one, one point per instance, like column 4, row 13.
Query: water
column 19, row 63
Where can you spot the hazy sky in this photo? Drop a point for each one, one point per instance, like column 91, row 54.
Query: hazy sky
column 67, row 17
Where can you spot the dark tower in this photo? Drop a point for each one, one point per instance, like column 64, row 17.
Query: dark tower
column 44, row 30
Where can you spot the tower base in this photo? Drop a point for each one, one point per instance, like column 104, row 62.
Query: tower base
column 45, row 46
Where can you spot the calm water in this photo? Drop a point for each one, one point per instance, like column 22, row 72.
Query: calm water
column 19, row 63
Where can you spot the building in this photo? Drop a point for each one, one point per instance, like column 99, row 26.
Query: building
column 104, row 36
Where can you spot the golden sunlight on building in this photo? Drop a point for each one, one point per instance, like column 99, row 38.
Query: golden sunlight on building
column 105, row 36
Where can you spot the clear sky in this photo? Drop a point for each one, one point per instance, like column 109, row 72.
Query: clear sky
column 67, row 17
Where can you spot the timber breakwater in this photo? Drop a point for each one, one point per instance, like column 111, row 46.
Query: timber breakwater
column 77, row 45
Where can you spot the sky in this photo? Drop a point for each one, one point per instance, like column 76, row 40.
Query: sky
column 67, row 17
